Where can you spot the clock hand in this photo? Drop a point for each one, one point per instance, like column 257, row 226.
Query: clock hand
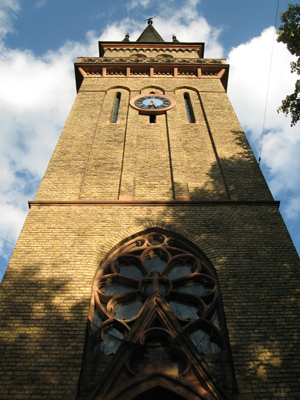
column 152, row 104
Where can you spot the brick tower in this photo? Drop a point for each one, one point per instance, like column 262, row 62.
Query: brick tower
column 153, row 261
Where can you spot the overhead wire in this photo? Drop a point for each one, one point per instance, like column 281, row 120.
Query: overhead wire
column 7, row 241
column 267, row 96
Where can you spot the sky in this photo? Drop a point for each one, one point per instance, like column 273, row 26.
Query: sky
column 41, row 39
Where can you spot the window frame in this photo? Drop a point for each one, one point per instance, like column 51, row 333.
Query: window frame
column 116, row 109
column 189, row 108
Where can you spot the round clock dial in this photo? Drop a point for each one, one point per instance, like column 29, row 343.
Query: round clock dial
column 152, row 103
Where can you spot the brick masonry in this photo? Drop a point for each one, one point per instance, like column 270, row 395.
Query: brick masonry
column 102, row 160
column 46, row 291
column 47, row 287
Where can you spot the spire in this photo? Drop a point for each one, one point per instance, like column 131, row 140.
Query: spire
column 150, row 35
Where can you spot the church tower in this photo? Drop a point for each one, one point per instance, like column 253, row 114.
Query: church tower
column 154, row 262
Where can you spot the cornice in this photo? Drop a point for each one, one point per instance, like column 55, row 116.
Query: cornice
column 97, row 67
column 150, row 61
column 153, row 50
column 156, row 203
column 103, row 46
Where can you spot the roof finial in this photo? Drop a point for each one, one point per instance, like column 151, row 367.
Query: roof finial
column 126, row 38
column 150, row 22
column 174, row 39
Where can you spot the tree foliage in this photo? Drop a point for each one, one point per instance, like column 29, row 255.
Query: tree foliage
column 289, row 33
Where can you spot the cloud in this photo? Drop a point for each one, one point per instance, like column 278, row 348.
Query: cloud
column 292, row 210
column 185, row 22
column 138, row 3
column 35, row 98
column 117, row 30
column 248, row 86
column 249, row 71
column 195, row 30
column 9, row 10
column 97, row 16
column 40, row 3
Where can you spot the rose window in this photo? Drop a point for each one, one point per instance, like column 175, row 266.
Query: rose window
column 156, row 264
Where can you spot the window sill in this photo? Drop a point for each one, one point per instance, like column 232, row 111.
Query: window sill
column 112, row 123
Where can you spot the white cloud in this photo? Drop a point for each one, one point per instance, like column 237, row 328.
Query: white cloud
column 248, row 83
column 188, row 26
column 97, row 16
column 117, row 30
column 249, row 71
column 293, row 209
column 195, row 30
column 35, row 98
column 40, row 3
column 138, row 3
column 8, row 12
column 185, row 22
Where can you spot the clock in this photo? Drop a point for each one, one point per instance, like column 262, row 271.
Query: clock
column 152, row 103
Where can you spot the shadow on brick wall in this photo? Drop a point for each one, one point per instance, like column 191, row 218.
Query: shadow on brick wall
column 259, row 275
column 33, row 327
column 238, row 176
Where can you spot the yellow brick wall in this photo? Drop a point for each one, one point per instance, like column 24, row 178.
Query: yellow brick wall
column 210, row 159
column 45, row 294
column 103, row 169
column 63, row 177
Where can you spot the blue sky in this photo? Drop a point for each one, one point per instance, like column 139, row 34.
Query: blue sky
column 40, row 40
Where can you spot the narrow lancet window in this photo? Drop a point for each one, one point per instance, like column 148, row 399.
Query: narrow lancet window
column 116, row 108
column 189, row 108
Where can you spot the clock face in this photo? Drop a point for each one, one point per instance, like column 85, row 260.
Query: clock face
column 152, row 103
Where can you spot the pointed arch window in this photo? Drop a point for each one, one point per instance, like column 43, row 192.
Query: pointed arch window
column 189, row 108
column 115, row 113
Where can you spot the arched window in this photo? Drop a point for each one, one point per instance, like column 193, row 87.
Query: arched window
column 189, row 108
column 115, row 113
column 161, row 264
column 155, row 310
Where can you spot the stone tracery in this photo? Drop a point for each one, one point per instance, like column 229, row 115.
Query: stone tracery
column 156, row 264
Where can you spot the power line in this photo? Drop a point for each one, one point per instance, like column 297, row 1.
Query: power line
column 263, row 129
column 7, row 241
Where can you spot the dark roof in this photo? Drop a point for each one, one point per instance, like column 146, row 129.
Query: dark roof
column 150, row 35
